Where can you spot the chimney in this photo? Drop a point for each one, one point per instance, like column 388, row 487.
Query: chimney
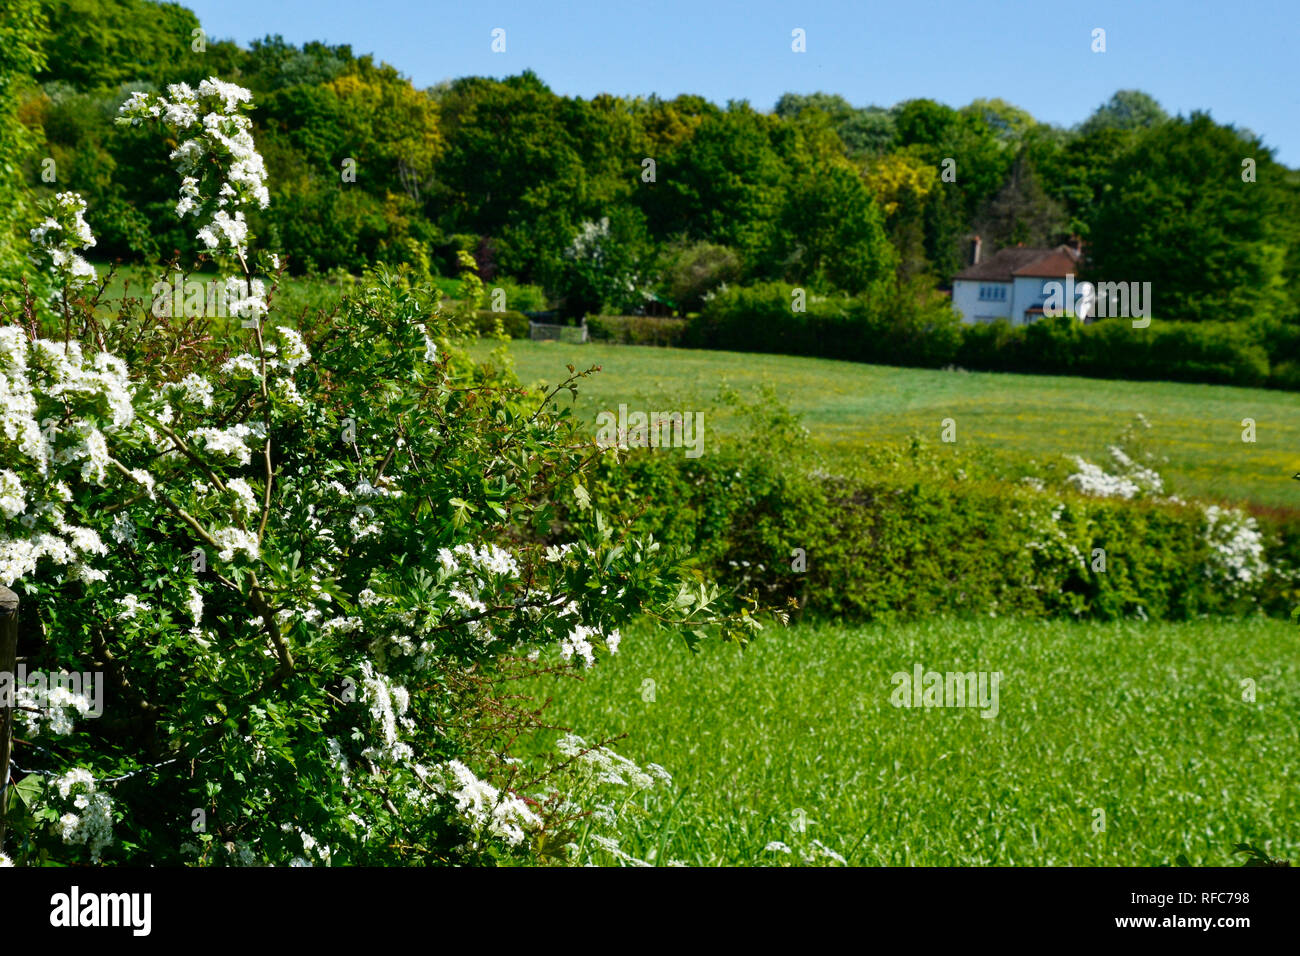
column 975, row 251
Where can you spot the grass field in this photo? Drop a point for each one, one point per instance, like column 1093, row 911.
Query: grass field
column 1143, row 721
column 847, row 405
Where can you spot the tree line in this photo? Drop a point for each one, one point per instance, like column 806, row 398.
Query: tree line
column 613, row 204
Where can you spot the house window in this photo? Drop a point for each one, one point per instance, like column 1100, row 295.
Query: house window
column 993, row 293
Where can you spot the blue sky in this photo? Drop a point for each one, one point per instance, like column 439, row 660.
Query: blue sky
column 1237, row 60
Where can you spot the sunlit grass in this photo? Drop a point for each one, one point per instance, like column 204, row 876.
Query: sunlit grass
column 1145, row 722
column 1013, row 418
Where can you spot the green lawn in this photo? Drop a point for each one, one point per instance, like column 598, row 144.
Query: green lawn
column 1143, row 721
column 846, row 405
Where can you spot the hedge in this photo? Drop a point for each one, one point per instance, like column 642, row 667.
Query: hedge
column 636, row 329
column 907, row 543
column 514, row 324
column 903, row 329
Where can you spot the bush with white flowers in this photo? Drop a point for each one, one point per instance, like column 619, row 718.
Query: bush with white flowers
column 306, row 561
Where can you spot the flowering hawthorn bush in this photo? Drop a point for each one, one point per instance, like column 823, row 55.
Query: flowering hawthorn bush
column 307, row 565
column 1235, row 546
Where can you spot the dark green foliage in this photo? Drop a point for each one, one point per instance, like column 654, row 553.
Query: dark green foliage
column 1176, row 212
column 893, row 326
column 901, row 328
column 1225, row 353
column 696, row 195
column 513, row 324
column 97, row 45
column 636, row 329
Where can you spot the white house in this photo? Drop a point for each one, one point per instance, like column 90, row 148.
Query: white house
column 1012, row 284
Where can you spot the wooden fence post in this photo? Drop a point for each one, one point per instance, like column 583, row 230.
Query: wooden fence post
column 8, row 666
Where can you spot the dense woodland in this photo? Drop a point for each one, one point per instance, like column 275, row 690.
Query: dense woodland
column 558, row 192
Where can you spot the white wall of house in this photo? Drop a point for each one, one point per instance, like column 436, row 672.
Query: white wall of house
column 1026, row 293
column 966, row 299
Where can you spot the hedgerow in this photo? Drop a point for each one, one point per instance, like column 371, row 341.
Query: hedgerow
column 912, row 534
column 904, row 327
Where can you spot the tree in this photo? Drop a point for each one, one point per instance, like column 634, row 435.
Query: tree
column 95, row 44
column 1021, row 213
column 726, row 184
column 833, row 233
column 1176, row 213
column 690, row 272
column 902, row 184
column 1126, row 110
column 1009, row 123
column 22, row 26
column 510, row 169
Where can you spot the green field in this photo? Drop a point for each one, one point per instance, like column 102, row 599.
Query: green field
column 1143, row 721
column 847, row 405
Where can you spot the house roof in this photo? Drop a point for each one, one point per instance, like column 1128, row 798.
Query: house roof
column 1062, row 261
column 1006, row 264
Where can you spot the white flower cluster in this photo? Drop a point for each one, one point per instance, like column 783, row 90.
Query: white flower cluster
column 195, row 389
column 230, row 540
column 294, row 354
column 13, row 497
column 607, row 767
column 227, row 441
column 488, row 558
column 578, row 642
column 597, row 768
column 59, row 237
column 310, row 845
column 817, row 852
column 1055, row 541
column 590, row 240
column 211, row 130
column 131, row 606
column 483, row 806
column 472, row 566
column 245, row 298
column 1236, row 548
column 56, row 707
column 38, row 381
column 388, row 704
column 93, row 823
column 1132, row 481
column 194, row 605
column 245, row 499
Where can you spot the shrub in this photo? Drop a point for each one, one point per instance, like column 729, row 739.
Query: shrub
column 510, row 324
column 311, row 562
column 914, row 535
column 690, row 272
column 905, row 326
column 519, row 297
column 897, row 327
column 636, row 329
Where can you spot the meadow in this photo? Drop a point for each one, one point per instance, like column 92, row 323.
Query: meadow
column 1145, row 722
column 1012, row 418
